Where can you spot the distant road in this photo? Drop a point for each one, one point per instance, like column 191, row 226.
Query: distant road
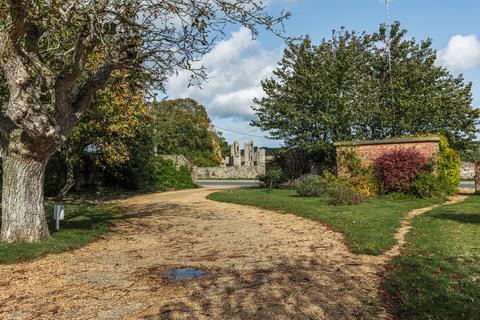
column 228, row 183
column 467, row 185
column 255, row 183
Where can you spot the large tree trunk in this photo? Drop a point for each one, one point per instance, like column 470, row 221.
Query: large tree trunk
column 23, row 213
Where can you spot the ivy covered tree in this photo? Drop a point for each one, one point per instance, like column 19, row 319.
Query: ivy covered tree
column 45, row 47
column 182, row 126
column 355, row 86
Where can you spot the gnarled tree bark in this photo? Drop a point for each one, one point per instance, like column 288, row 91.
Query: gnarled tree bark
column 23, row 213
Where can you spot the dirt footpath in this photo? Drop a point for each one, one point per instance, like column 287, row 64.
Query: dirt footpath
column 260, row 265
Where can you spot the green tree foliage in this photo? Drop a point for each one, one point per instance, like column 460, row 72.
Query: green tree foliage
column 471, row 153
column 116, row 127
column 182, row 126
column 112, row 127
column 347, row 88
column 272, row 178
column 162, row 175
column 448, row 166
column 115, row 143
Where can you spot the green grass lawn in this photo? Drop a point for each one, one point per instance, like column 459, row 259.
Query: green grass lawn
column 438, row 276
column 369, row 228
column 83, row 223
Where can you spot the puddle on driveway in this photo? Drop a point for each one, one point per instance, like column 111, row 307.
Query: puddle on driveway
column 184, row 274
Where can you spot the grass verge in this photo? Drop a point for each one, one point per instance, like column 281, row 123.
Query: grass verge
column 83, row 223
column 438, row 276
column 369, row 227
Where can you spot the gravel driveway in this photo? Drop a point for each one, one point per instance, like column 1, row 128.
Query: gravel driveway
column 259, row 265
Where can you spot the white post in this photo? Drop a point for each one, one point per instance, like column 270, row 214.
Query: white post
column 58, row 214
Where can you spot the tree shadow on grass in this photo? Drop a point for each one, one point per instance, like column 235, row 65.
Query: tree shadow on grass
column 84, row 222
column 86, row 217
column 447, row 293
column 462, row 218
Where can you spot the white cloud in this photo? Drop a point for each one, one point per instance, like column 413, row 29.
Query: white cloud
column 461, row 54
column 235, row 68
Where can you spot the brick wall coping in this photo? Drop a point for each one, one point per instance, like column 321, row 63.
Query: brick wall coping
column 386, row 141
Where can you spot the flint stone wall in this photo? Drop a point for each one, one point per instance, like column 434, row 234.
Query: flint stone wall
column 252, row 172
column 369, row 151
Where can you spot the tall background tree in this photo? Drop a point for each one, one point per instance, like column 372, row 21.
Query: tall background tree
column 45, row 47
column 182, row 126
column 353, row 86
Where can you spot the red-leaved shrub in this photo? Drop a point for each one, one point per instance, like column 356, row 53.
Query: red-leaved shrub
column 396, row 169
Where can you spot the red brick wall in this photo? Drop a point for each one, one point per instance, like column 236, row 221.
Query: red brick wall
column 369, row 151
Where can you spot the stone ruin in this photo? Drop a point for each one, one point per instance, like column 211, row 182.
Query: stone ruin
column 251, row 156
column 247, row 164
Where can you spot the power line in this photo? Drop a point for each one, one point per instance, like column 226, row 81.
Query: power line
column 240, row 133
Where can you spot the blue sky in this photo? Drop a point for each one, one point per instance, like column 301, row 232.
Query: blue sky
column 237, row 64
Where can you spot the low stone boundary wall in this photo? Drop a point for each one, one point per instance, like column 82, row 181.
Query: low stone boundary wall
column 244, row 172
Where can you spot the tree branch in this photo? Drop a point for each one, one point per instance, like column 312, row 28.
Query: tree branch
column 32, row 52
column 84, row 98
column 18, row 14
column 72, row 70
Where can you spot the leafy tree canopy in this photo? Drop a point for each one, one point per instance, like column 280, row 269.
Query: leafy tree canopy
column 115, row 131
column 353, row 87
column 182, row 126
column 118, row 116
